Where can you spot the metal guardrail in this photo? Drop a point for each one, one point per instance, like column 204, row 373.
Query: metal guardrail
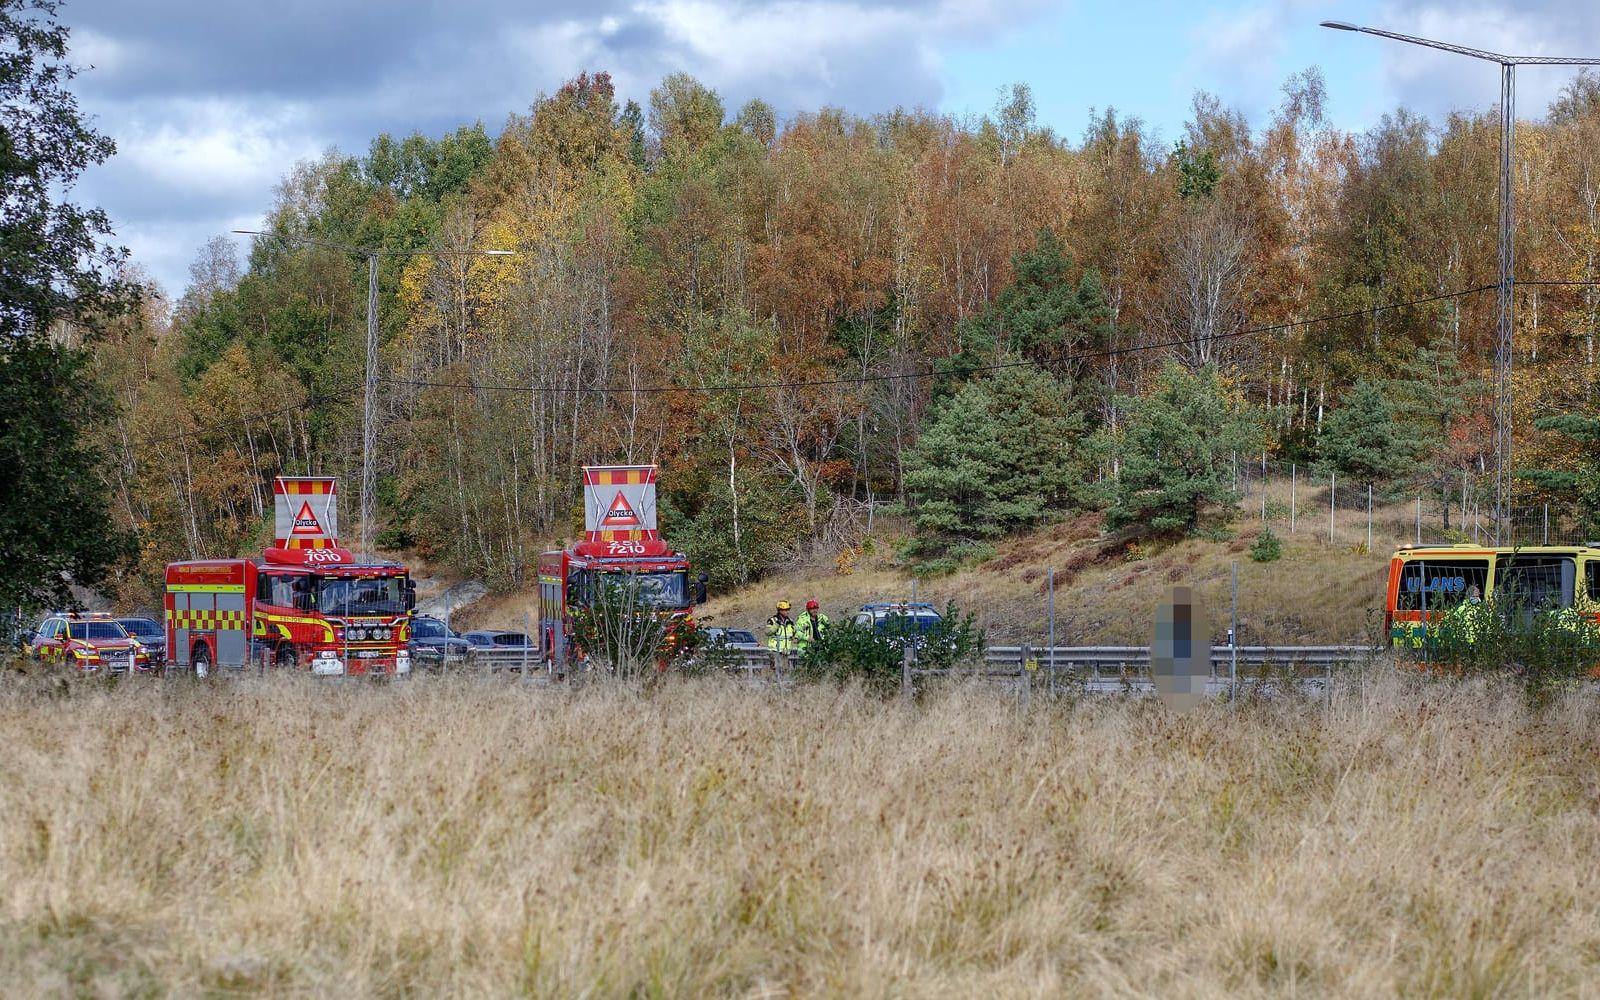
column 1106, row 669
column 1110, row 669
column 749, row 662
column 501, row 658
column 1092, row 669
column 1125, row 657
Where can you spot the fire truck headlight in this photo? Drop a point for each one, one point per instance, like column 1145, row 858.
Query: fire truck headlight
column 385, row 633
column 356, row 634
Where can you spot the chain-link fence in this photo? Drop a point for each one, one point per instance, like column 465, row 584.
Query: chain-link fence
column 1451, row 508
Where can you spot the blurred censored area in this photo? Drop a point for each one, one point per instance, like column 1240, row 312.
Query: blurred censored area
column 1180, row 651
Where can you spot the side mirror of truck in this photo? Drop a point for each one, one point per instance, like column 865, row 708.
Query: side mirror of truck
column 700, row 588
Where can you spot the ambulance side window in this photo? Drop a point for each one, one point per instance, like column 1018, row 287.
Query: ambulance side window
column 1437, row 584
column 1591, row 579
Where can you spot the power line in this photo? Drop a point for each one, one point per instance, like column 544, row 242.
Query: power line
column 265, row 415
column 932, row 372
column 349, row 392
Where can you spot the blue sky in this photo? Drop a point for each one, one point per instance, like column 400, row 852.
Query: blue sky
column 212, row 102
column 1148, row 59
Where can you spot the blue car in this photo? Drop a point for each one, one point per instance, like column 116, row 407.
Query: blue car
column 151, row 635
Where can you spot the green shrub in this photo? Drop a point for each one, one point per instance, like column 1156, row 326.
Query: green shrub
column 1546, row 650
column 848, row 651
column 1268, row 548
column 626, row 637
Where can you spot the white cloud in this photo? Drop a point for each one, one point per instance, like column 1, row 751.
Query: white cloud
column 215, row 147
column 212, row 104
column 1437, row 83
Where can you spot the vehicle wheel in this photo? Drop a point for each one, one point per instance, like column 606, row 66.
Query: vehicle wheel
column 284, row 658
column 200, row 661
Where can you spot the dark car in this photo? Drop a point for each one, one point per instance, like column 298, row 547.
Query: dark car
column 901, row 621
column 732, row 638
column 150, row 635
column 433, row 642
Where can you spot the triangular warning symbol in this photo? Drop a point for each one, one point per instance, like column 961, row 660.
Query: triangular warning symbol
column 621, row 514
column 305, row 522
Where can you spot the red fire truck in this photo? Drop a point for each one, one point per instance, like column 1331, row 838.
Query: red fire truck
column 621, row 544
column 306, row 603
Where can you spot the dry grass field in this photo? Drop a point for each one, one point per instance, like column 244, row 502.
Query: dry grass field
column 455, row 837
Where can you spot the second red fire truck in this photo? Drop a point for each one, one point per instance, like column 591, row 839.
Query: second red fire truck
column 305, row 604
column 622, row 545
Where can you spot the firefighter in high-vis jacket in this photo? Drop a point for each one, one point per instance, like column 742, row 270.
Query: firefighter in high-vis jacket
column 810, row 626
column 781, row 635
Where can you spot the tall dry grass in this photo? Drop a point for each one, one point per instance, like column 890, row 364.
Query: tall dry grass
column 454, row 837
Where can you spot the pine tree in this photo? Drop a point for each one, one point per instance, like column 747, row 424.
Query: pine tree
column 1176, row 448
column 1579, row 485
column 1005, row 454
column 1360, row 439
column 1430, row 397
column 1039, row 463
column 1267, row 548
column 1043, row 315
column 950, row 482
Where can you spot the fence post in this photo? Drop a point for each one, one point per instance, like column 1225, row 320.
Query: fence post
column 1236, row 470
column 1027, row 675
column 1333, row 488
column 1546, row 523
column 1050, row 585
column 905, row 671
column 1369, row 518
column 1294, row 475
column 1233, row 640
column 526, row 638
column 1463, row 501
column 1419, row 520
column 1263, row 486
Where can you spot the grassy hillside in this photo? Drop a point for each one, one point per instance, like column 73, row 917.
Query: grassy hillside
column 1107, row 588
column 455, row 837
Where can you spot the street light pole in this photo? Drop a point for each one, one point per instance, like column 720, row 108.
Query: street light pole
column 369, row 396
column 1505, row 287
column 369, row 409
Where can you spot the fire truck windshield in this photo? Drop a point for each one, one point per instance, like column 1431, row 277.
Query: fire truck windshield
column 355, row 596
column 661, row 590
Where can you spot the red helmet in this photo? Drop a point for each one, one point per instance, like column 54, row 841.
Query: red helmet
column 811, row 605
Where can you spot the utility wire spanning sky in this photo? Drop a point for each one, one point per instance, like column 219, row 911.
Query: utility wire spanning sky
column 211, row 103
